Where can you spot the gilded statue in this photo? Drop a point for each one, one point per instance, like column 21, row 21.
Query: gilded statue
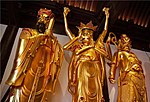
column 87, row 69
column 38, row 62
column 131, row 81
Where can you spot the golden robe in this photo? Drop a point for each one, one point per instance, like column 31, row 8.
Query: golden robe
column 37, row 65
column 86, row 71
column 131, row 81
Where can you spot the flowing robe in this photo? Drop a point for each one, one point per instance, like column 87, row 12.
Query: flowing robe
column 86, row 72
column 131, row 81
column 36, row 67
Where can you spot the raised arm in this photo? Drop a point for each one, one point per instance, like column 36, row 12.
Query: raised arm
column 102, row 36
column 49, row 30
column 106, row 10
column 51, row 23
column 99, row 45
column 69, row 33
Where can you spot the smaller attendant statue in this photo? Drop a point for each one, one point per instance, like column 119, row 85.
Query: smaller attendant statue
column 131, row 81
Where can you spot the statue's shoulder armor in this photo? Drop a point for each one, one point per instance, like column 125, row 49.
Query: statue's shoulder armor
column 27, row 32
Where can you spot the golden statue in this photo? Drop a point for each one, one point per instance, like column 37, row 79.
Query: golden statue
column 131, row 81
column 86, row 69
column 38, row 62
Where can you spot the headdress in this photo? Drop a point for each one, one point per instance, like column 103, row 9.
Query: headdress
column 123, row 42
column 44, row 11
column 87, row 26
column 125, row 38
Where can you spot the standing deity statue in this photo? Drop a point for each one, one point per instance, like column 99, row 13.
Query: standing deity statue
column 131, row 81
column 87, row 69
column 38, row 61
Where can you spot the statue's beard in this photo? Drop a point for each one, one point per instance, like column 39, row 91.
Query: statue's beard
column 41, row 27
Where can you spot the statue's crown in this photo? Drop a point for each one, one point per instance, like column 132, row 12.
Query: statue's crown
column 87, row 26
column 44, row 11
column 125, row 38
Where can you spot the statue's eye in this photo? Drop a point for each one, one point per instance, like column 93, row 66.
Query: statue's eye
column 85, row 34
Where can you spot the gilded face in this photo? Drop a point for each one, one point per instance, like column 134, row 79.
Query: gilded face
column 125, row 42
column 42, row 23
column 87, row 36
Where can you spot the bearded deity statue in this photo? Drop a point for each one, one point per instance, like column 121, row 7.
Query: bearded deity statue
column 38, row 62
column 87, row 68
column 131, row 81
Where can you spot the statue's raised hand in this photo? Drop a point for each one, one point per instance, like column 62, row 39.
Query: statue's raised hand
column 66, row 11
column 106, row 10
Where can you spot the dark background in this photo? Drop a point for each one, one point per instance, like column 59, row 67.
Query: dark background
column 129, row 17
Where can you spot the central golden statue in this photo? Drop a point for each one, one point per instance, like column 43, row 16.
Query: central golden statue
column 38, row 62
column 131, row 81
column 87, row 68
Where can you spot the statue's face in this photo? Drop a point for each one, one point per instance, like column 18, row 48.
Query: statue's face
column 87, row 36
column 42, row 23
column 125, row 42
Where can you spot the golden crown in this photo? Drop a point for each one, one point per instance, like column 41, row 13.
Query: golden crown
column 87, row 26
